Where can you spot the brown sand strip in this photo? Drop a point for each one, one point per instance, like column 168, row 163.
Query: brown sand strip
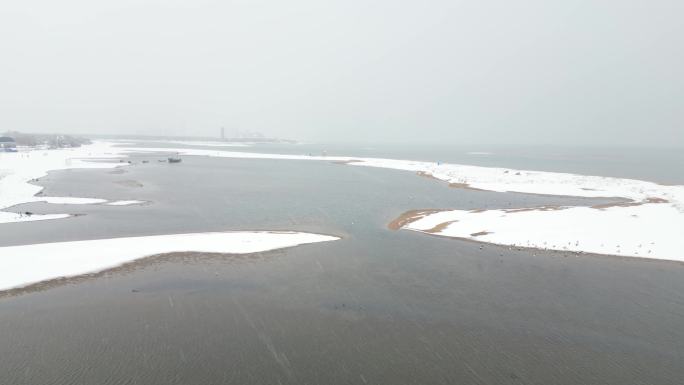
column 459, row 185
column 480, row 233
column 427, row 175
column 465, row 186
column 409, row 217
column 616, row 204
column 440, row 227
column 540, row 208
column 630, row 203
column 454, row 185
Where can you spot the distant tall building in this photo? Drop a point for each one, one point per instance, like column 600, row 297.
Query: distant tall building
column 223, row 133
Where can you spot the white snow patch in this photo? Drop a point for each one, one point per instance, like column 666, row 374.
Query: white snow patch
column 24, row 265
column 69, row 200
column 647, row 231
column 17, row 170
column 124, row 203
column 6, row 217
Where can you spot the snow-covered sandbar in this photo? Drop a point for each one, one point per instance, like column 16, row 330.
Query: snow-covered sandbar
column 21, row 266
column 646, row 231
column 18, row 171
column 6, row 217
column 646, row 220
column 644, row 213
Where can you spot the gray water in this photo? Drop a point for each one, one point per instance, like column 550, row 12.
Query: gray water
column 378, row 306
column 660, row 165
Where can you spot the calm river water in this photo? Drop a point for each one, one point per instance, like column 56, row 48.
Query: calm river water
column 377, row 307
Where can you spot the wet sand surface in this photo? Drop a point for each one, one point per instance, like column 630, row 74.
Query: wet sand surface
column 378, row 306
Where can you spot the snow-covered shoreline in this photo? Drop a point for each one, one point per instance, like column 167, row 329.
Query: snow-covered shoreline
column 644, row 214
column 644, row 231
column 18, row 170
column 24, row 265
column 483, row 178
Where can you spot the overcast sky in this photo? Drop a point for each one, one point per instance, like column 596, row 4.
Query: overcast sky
column 607, row 72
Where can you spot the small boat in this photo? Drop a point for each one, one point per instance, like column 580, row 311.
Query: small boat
column 176, row 159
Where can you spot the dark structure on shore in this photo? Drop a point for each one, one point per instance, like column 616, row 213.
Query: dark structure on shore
column 7, row 144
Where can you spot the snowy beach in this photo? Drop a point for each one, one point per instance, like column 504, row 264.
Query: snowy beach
column 19, row 169
column 24, row 265
column 645, row 220
column 644, row 213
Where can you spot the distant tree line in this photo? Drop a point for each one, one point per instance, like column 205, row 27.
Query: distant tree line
column 50, row 140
